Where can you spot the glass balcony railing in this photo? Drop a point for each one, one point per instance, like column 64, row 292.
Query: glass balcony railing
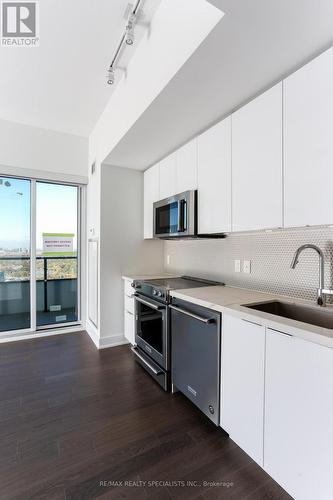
column 56, row 291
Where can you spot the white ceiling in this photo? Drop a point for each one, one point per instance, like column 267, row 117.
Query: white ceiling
column 256, row 44
column 61, row 85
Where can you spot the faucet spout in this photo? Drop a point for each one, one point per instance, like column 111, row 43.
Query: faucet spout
column 321, row 300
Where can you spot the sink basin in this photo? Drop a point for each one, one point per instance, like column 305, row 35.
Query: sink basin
column 313, row 315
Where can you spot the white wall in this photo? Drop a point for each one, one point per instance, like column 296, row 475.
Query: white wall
column 122, row 249
column 32, row 148
column 174, row 34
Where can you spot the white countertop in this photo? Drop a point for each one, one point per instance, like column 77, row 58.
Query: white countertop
column 231, row 300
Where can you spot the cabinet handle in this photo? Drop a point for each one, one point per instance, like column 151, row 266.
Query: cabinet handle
column 129, row 312
column 251, row 322
column 281, row 333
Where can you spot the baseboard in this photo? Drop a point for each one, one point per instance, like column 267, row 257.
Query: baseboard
column 104, row 342
column 92, row 332
column 112, row 341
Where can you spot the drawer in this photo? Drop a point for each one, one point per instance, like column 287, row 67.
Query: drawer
column 129, row 290
column 129, row 327
column 129, row 304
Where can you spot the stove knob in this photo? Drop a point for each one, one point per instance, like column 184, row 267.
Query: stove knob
column 159, row 294
column 154, row 292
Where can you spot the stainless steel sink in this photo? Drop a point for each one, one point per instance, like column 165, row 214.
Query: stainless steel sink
column 318, row 316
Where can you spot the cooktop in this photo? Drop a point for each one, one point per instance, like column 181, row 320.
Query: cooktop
column 181, row 282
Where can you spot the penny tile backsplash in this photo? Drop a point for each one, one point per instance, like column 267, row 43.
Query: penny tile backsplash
column 270, row 254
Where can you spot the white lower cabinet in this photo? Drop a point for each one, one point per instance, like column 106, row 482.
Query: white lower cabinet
column 129, row 318
column 299, row 416
column 242, row 384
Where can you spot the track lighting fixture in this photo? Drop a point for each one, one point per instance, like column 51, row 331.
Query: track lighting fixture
column 110, row 76
column 130, row 30
column 128, row 38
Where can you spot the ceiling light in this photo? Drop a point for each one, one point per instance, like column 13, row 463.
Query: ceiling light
column 128, row 38
column 130, row 30
column 110, row 76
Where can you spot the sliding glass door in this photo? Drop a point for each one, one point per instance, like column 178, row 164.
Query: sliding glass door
column 39, row 254
column 56, row 253
column 14, row 254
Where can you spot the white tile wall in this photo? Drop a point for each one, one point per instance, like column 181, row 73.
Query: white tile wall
column 270, row 255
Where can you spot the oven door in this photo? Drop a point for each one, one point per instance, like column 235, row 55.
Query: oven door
column 175, row 216
column 151, row 329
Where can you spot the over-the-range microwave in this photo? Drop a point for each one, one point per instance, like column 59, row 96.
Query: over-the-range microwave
column 176, row 217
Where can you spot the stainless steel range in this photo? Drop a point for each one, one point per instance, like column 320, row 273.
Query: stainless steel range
column 152, row 323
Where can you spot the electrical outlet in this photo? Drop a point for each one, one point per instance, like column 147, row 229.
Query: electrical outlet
column 237, row 266
column 247, row 266
column 168, row 260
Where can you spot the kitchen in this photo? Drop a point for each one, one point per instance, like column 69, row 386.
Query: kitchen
column 261, row 407
column 176, row 340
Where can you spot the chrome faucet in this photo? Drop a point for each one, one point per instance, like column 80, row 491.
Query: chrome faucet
column 321, row 291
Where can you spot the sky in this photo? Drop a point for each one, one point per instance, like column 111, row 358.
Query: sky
column 56, row 209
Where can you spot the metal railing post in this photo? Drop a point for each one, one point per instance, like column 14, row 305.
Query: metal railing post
column 45, row 284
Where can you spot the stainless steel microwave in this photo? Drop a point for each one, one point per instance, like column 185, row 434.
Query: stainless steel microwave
column 176, row 217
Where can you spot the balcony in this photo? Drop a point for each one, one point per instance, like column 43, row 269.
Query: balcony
column 56, row 291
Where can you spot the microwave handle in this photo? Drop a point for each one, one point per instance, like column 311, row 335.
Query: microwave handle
column 179, row 209
column 181, row 215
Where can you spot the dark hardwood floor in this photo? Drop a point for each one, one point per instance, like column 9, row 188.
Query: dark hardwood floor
column 77, row 423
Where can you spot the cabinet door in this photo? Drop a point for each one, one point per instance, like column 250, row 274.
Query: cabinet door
column 168, row 176
column 151, row 194
column 242, row 387
column 187, row 167
column 129, row 330
column 257, row 163
column 299, row 416
column 308, row 145
column 214, row 179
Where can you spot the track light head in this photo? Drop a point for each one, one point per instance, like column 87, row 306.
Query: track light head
column 130, row 30
column 110, row 76
column 130, row 38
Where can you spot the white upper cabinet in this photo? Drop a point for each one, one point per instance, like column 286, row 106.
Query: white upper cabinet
column 257, row 163
column 242, row 384
column 214, row 179
column 186, row 178
column 168, row 176
column 308, row 144
column 151, row 194
column 299, row 416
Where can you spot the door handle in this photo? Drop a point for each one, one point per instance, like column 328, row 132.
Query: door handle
column 192, row 315
column 149, row 304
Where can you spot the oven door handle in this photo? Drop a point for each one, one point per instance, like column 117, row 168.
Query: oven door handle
column 207, row 321
column 149, row 304
column 148, row 365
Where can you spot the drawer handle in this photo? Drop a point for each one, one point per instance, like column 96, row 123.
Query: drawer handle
column 148, row 365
